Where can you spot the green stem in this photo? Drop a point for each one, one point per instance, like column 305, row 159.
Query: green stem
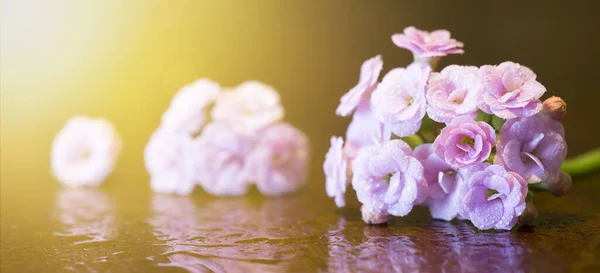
column 583, row 164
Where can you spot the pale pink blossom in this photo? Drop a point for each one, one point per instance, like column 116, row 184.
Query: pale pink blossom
column 399, row 100
column 219, row 160
column 369, row 73
column 167, row 158
column 425, row 44
column 279, row 163
column 336, row 169
column 249, row 108
column 85, row 151
column 455, row 91
column 187, row 111
column 510, row 91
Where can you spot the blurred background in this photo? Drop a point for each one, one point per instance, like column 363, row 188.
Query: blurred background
column 123, row 60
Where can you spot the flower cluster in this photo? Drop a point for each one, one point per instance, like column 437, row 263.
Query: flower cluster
column 490, row 138
column 245, row 143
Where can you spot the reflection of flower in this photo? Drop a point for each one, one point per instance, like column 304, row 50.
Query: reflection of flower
column 84, row 212
column 443, row 247
column 229, row 235
column 84, row 152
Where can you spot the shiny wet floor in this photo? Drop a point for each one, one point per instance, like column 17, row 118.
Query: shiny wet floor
column 98, row 230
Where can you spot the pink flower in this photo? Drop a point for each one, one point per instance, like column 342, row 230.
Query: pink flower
column 219, row 160
column 495, row 198
column 251, row 107
column 187, row 111
column 369, row 73
column 465, row 142
column 533, row 147
column 279, row 162
column 387, row 179
column 365, row 129
column 85, row 151
column 399, row 100
column 425, row 44
column 167, row 157
column 455, row 91
column 446, row 184
column 335, row 168
column 511, row 91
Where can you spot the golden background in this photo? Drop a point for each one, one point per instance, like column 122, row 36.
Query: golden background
column 123, row 60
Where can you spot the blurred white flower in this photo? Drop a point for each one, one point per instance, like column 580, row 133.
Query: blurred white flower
column 84, row 152
column 187, row 112
column 167, row 159
column 250, row 107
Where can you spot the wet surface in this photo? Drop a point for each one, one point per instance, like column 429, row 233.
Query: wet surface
column 97, row 230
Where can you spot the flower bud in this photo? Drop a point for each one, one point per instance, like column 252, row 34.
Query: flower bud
column 528, row 215
column 374, row 218
column 555, row 107
column 562, row 186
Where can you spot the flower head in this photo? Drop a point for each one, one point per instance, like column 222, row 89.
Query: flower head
column 455, row 91
column 335, row 168
column 495, row 198
column 251, row 107
column 465, row 142
column 219, row 160
column 399, row 100
column 425, row 44
column 279, row 162
column 369, row 73
column 388, row 179
column 446, row 184
column 84, row 152
column 365, row 129
column 187, row 111
column 533, row 147
column 167, row 157
column 510, row 91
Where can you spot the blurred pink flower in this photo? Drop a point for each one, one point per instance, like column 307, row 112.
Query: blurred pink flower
column 425, row 44
column 249, row 108
column 187, row 111
column 219, row 158
column 167, row 158
column 85, row 151
column 511, row 91
column 369, row 73
column 399, row 100
column 336, row 168
column 279, row 163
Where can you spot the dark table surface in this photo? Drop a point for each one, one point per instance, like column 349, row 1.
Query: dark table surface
column 134, row 230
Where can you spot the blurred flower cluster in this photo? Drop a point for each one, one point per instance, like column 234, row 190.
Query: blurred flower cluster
column 468, row 142
column 245, row 142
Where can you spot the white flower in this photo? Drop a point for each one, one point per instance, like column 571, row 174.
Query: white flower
column 249, row 108
column 186, row 114
column 168, row 160
column 84, row 152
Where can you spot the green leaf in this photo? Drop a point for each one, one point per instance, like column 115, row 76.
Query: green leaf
column 483, row 116
column 497, row 122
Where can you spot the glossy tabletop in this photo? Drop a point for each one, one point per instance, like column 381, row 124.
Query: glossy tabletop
column 124, row 60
